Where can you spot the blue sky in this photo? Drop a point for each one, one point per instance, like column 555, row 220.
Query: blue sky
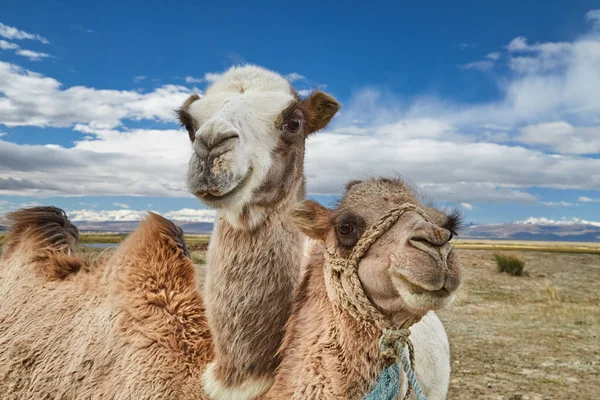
column 494, row 108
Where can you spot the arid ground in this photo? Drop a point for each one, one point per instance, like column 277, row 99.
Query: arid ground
column 531, row 337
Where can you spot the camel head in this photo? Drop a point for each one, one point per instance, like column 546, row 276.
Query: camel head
column 411, row 266
column 248, row 133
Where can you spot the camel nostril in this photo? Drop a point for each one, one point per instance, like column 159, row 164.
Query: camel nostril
column 429, row 234
column 220, row 141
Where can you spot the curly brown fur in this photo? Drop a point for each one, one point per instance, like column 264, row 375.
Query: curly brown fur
column 47, row 239
column 133, row 327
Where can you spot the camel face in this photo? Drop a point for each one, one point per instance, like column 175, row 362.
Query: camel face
column 248, row 135
column 412, row 266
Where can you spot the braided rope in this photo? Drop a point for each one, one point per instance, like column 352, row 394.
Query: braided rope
column 357, row 304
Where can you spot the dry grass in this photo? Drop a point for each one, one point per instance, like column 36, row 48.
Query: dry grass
column 551, row 247
column 535, row 336
column 529, row 337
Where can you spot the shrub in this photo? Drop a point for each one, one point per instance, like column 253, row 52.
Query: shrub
column 510, row 265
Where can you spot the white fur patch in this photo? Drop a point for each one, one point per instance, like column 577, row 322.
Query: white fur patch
column 249, row 99
column 432, row 357
column 249, row 389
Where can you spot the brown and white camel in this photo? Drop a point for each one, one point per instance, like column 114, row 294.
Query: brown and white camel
column 249, row 133
column 331, row 347
column 127, row 326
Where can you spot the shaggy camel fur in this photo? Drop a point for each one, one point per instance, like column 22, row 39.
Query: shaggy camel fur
column 128, row 326
column 248, row 133
column 328, row 353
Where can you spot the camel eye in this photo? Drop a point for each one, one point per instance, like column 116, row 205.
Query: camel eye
column 293, row 125
column 345, row 229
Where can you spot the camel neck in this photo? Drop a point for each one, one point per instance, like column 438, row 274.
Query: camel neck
column 251, row 275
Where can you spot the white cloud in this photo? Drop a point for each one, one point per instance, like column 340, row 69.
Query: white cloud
column 495, row 56
column 294, row 76
column 184, row 215
column 563, row 137
column 106, row 215
column 585, row 199
column 467, row 206
column 484, row 65
column 192, row 215
column 2, row 134
column 141, row 162
column 593, row 17
column 30, row 54
column 209, row 77
column 139, row 78
column 10, row 32
column 565, row 221
column 30, row 98
column 33, row 55
column 122, row 205
column 304, row 92
column 557, row 203
column 212, row 77
column 4, row 45
column 191, row 79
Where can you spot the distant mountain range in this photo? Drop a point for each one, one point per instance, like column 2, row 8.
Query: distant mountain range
column 509, row 231
column 541, row 232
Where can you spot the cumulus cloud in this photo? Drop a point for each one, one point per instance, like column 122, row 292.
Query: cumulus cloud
column 192, row 215
column 539, row 132
column 10, row 32
column 547, row 221
column 122, row 205
column 140, row 162
column 593, row 17
column 106, row 215
column 563, row 137
column 124, row 215
column 32, row 99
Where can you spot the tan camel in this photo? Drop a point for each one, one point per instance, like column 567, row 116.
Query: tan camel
column 127, row 326
column 249, row 133
column 331, row 345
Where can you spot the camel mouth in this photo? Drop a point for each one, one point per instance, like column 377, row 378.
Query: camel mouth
column 416, row 288
column 206, row 195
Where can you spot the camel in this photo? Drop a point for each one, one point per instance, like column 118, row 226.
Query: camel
column 129, row 325
column 331, row 348
column 132, row 325
column 248, row 133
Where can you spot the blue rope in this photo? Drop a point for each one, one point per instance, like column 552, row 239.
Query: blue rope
column 387, row 386
column 412, row 378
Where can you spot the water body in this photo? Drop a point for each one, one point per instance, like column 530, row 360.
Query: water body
column 100, row 245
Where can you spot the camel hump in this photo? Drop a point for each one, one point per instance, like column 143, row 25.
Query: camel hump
column 154, row 254
column 156, row 226
column 45, row 236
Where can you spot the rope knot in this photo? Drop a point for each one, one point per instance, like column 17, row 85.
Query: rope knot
column 391, row 342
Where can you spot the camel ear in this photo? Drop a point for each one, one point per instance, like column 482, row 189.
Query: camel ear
column 320, row 109
column 311, row 218
column 185, row 118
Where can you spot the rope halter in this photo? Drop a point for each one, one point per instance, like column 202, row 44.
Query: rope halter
column 353, row 299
